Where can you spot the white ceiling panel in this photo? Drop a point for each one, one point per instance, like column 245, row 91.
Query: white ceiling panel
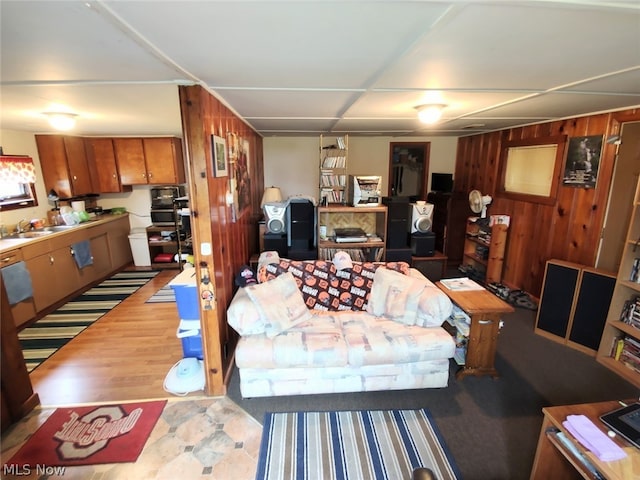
column 290, row 67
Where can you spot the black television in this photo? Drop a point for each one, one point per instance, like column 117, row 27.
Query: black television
column 442, row 182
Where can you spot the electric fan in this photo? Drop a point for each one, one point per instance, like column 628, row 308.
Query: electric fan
column 479, row 202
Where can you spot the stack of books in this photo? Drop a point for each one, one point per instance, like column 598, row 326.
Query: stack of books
column 631, row 312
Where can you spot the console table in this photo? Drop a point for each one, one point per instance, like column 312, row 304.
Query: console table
column 485, row 311
column 554, row 461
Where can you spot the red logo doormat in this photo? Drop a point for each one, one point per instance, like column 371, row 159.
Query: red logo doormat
column 91, row 435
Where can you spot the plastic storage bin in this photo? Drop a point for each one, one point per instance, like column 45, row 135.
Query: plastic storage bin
column 140, row 247
column 186, row 292
column 191, row 338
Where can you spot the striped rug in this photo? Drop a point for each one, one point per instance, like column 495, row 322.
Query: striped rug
column 164, row 295
column 352, row 445
column 43, row 338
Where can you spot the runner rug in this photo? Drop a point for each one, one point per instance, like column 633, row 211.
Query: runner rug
column 164, row 295
column 90, row 435
column 43, row 338
column 382, row 444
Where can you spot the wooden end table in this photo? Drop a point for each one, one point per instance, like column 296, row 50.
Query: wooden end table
column 485, row 311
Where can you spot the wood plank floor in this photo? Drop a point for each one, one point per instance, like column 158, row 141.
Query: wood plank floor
column 123, row 356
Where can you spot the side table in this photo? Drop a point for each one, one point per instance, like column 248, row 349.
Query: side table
column 485, row 311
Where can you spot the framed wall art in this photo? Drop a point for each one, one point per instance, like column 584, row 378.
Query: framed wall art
column 220, row 163
column 583, row 160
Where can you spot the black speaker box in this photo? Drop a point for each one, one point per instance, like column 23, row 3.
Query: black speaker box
column 397, row 220
column 276, row 242
column 301, row 224
column 398, row 255
column 423, row 244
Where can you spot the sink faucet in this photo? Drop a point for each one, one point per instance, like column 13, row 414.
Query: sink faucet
column 19, row 227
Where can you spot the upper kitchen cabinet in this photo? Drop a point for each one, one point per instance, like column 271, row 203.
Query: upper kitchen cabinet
column 102, row 161
column 156, row 160
column 64, row 163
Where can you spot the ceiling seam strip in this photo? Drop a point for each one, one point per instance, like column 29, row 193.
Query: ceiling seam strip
column 102, row 9
column 450, row 11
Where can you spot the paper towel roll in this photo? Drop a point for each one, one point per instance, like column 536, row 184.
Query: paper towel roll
column 78, row 206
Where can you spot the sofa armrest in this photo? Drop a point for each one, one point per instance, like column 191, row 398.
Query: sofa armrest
column 243, row 315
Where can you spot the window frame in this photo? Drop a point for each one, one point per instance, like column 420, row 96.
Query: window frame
column 560, row 141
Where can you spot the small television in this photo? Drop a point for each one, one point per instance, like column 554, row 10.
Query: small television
column 442, row 182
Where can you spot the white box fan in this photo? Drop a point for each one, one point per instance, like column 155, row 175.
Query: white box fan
column 479, row 202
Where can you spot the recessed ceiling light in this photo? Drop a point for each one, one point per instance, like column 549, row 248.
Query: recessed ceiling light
column 62, row 121
column 430, row 113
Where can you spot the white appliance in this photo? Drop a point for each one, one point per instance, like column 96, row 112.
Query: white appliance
column 275, row 217
column 421, row 217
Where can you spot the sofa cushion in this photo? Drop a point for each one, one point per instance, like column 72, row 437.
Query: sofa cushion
column 314, row 343
column 395, row 296
column 323, row 287
column 378, row 341
column 280, row 304
column 243, row 315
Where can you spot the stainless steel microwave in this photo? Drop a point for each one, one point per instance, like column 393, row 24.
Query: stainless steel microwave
column 162, row 197
column 163, row 216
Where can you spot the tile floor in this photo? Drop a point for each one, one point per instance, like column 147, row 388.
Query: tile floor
column 195, row 438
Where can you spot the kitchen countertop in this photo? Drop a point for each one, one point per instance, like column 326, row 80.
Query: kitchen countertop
column 7, row 244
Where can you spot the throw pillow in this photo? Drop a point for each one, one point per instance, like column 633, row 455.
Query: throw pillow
column 280, row 303
column 395, row 296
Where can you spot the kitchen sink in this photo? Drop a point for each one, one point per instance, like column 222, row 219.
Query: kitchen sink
column 56, row 228
column 30, row 234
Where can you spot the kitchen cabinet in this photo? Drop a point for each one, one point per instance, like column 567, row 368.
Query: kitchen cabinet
column 119, row 245
column 64, row 164
column 104, row 169
column 17, row 397
column 99, row 244
column 25, row 310
column 144, row 161
column 54, row 273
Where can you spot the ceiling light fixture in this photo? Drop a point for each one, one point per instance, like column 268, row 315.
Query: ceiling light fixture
column 430, row 113
column 61, row 120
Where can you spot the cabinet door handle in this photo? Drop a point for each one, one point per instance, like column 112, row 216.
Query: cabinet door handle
column 7, row 259
column 485, row 322
column 51, row 260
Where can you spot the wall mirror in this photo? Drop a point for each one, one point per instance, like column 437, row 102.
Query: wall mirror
column 530, row 169
column 408, row 169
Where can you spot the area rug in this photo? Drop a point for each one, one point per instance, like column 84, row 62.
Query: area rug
column 164, row 295
column 90, row 435
column 43, row 338
column 368, row 444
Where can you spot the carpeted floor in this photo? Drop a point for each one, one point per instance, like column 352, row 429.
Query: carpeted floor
column 43, row 338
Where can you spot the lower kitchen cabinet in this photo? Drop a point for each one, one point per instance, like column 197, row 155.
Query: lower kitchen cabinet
column 25, row 310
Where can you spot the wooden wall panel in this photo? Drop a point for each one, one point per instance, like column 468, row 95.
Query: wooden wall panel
column 568, row 230
column 231, row 236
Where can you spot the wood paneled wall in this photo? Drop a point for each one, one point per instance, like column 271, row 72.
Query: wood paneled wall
column 233, row 236
column 567, row 230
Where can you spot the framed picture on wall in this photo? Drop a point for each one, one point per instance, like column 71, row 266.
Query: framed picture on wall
column 583, row 160
column 220, row 163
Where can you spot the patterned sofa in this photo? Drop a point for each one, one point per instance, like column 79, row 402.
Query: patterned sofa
column 307, row 327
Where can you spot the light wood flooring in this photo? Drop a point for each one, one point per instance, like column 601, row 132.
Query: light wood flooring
column 123, row 356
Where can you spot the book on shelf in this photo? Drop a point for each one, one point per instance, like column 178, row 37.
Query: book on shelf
column 635, row 270
column 630, row 313
column 461, row 284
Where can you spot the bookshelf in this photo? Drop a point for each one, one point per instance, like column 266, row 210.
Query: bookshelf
column 373, row 220
column 333, row 169
column 483, row 253
column 619, row 348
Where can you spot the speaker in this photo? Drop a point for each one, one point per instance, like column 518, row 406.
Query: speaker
column 275, row 217
column 423, row 244
column 397, row 219
column 276, row 242
column 301, row 224
column 398, row 255
column 421, row 217
column 574, row 304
